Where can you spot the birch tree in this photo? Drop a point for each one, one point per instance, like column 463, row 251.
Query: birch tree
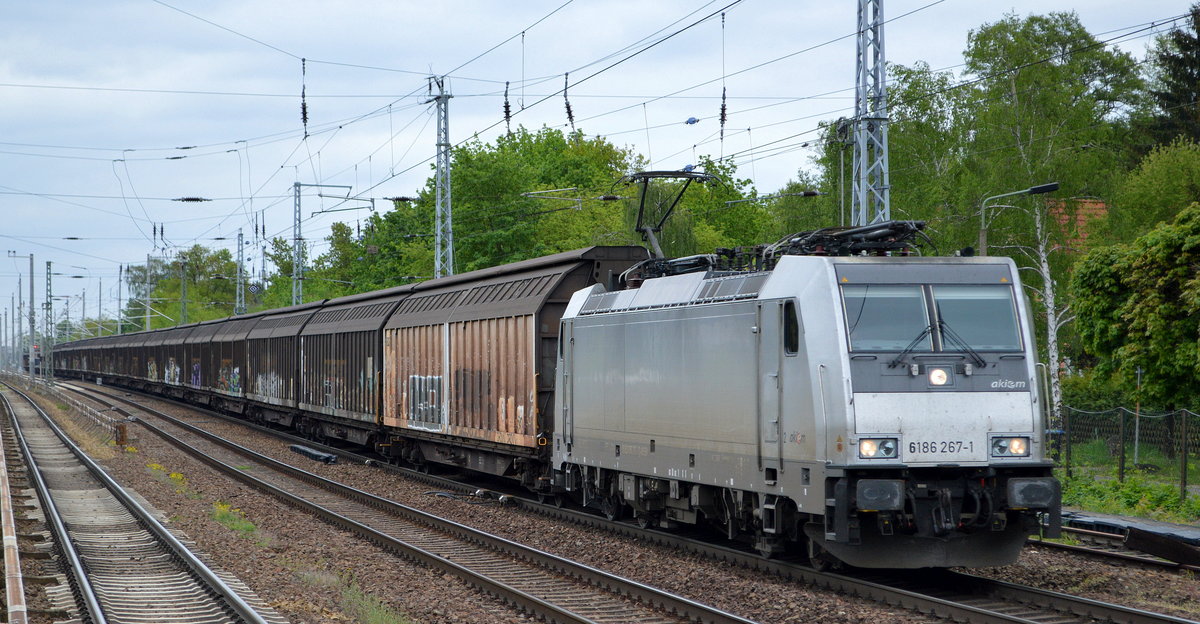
column 1047, row 104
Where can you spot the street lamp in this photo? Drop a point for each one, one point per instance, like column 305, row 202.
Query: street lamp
column 1033, row 190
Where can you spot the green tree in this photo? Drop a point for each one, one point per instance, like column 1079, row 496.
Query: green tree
column 792, row 211
column 932, row 124
column 1044, row 109
column 1165, row 182
column 333, row 273
column 141, row 280
column 495, row 220
column 1139, row 307
column 1175, row 82
column 277, row 291
column 395, row 248
column 198, row 284
column 495, row 223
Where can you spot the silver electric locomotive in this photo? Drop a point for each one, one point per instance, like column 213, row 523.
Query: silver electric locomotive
column 880, row 411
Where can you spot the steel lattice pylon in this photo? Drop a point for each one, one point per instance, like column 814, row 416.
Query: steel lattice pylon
column 443, row 255
column 870, row 201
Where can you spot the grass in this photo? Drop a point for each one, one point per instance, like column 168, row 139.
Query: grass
column 175, row 479
column 1139, row 495
column 367, row 608
column 235, row 520
column 1150, row 489
column 1151, row 459
column 356, row 603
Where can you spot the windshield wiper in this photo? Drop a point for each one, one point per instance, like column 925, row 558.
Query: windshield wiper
column 899, row 359
column 962, row 345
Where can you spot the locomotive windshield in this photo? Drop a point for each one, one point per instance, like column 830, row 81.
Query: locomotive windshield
column 886, row 318
column 897, row 318
column 983, row 316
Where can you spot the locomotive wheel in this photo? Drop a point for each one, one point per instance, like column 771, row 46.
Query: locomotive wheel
column 646, row 520
column 818, row 557
column 550, row 499
column 727, row 515
column 611, row 507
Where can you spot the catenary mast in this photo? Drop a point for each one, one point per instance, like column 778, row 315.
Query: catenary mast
column 870, row 202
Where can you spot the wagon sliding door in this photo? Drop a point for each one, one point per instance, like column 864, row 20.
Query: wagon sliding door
column 417, row 382
column 493, row 386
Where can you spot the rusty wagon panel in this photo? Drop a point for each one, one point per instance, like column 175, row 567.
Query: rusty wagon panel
column 493, row 386
column 472, row 356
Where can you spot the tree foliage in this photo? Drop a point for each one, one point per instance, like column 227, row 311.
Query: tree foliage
column 197, row 284
column 1165, row 182
column 527, row 194
column 1139, row 307
column 1175, row 82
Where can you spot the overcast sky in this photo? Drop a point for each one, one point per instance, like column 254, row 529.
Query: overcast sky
column 110, row 110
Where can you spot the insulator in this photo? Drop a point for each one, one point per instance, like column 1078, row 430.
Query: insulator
column 507, row 109
column 570, row 113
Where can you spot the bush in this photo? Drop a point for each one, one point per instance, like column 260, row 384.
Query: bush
column 1093, row 392
column 1137, row 496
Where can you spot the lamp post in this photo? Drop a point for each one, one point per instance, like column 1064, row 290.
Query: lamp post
column 1033, row 190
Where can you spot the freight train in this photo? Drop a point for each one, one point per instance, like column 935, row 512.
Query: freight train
column 832, row 394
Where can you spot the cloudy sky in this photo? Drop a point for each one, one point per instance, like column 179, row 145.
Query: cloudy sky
column 111, row 110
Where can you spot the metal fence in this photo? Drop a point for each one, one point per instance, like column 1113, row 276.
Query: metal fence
column 1163, row 447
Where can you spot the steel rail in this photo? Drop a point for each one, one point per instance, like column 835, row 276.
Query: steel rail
column 682, row 607
column 81, row 586
column 236, row 604
column 14, row 583
column 1130, row 556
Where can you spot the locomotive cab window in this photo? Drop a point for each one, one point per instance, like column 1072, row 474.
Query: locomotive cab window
column 791, row 329
column 984, row 316
column 886, row 317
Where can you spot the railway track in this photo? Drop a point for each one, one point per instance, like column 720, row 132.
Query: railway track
column 544, row 585
column 1110, row 546
column 122, row 564
column 949, row 595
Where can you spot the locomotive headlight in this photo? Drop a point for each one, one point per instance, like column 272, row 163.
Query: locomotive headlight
column 1010, row 447
column 938, row 376
column 877, row 448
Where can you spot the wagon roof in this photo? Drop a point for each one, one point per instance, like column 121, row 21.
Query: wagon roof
column 509, row 290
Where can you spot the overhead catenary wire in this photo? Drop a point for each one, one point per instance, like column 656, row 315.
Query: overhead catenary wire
column 757, row 154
